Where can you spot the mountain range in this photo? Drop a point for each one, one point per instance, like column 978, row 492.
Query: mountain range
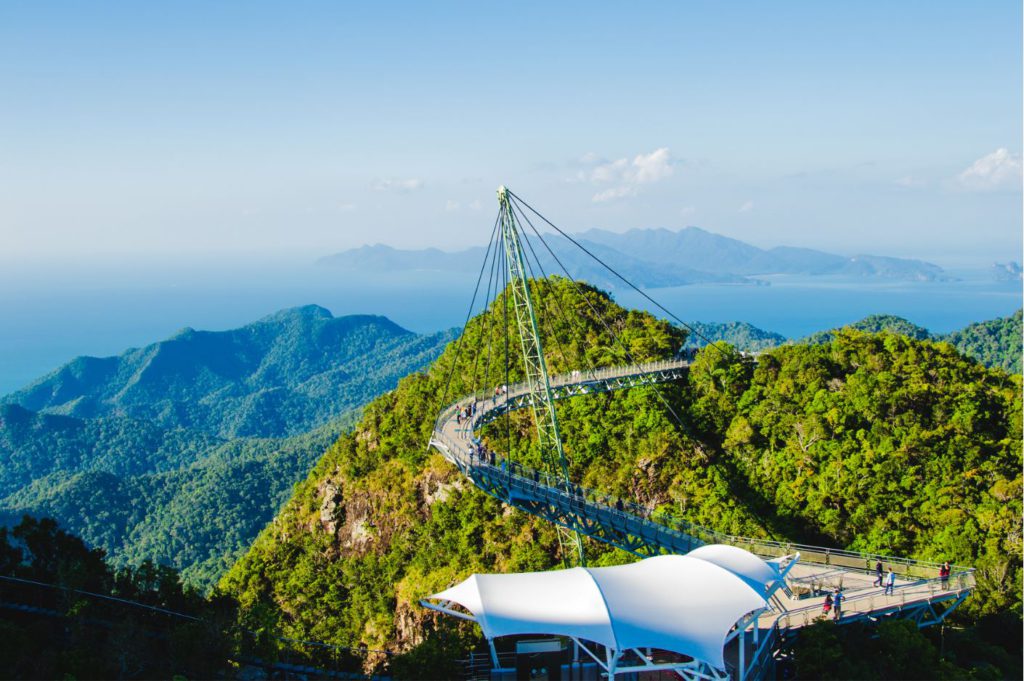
column 654, row 258
column 281, row 375
column 181, row 451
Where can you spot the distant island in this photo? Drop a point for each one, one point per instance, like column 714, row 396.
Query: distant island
column 1007, row 271
column 656, row 258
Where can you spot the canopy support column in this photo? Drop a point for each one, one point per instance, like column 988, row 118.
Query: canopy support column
column 601, row 663
column 613, row 659
column 494, row 653
column 742, row 671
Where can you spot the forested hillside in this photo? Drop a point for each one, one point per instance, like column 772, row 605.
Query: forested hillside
column 197, row 519
column 282, row 375
column 871, row 441
column 148, row 467
column 995, row 343
column 874, row 324
column 33, row 446
column 741, row 335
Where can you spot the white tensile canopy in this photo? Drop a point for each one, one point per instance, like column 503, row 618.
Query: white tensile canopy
column 763, row 576
column 683, row 604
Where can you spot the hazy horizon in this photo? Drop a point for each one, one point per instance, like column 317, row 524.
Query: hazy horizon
column 126, row 262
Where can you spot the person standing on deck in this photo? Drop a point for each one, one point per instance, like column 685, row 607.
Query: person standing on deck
column 944, row 574
column 837, row 603
column 826, row 607
column 890, row 582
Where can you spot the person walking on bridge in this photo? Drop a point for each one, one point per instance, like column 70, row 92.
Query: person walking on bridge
column 890, row 582
column 878, row 574
column 944, row 572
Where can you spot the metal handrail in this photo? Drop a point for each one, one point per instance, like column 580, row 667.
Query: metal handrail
column 557, row 487
column 661, row 519
column 963, row 580
column 578, row 378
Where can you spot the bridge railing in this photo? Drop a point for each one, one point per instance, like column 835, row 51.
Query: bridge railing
column 574, row 377
column 861, row 561
column 592, row 375
column 873, row 601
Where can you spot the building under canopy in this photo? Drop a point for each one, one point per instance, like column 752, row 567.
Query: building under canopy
column 687, row 605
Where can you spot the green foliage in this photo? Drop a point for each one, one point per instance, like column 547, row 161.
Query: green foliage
column 897, row 649
column 875, row 323
column 33, row 446
column 995, row 343
column 64, row 632
column 872, row 441
column 881, row 443
column 740, row 335
column 198, row 519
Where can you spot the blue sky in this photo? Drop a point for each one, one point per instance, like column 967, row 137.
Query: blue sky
column 302, row 128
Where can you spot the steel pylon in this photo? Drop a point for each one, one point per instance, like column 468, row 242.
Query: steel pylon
column 542, row 402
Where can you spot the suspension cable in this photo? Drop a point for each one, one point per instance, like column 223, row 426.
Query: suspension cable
column 600, row 318
column 613, row 271
column 505, row 301
column 469, row 315
column 492, row 288
column 543, row 317
column 486, row 311
column 558, row 308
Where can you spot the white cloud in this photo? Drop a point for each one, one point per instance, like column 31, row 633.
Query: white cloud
column 653, row 167
column 627, row 175
column 395, row 184
column 998, row 170
column 687, row 211
column 910, row 182
column 610, row 172
column 746, row 207
column 453, row 206
column 619, row 192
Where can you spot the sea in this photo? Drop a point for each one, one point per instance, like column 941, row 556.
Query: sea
column 50, row 315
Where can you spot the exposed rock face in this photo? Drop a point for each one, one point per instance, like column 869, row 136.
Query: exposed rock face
column 332, row 511
column 436, row 486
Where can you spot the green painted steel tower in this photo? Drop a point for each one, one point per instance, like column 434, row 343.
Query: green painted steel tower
column 541, row 401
